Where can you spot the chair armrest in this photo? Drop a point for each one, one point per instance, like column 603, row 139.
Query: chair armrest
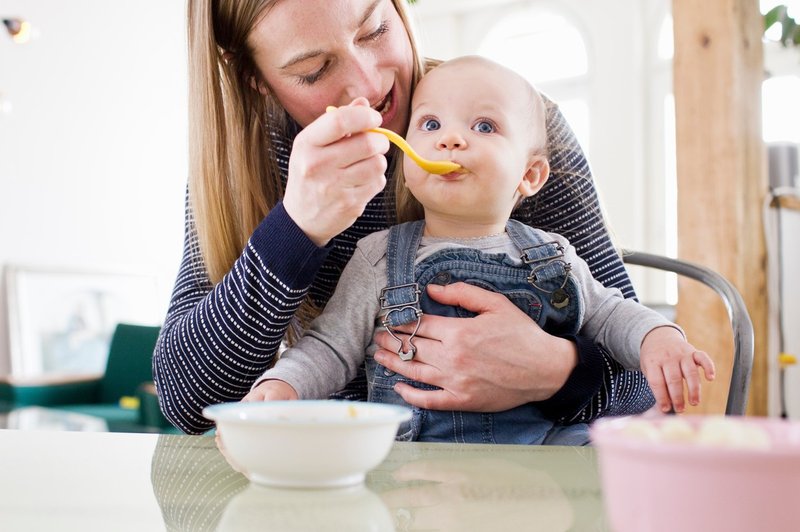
column 742, row 327
column 50, row 391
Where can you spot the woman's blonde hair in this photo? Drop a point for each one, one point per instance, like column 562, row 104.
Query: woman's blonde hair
column 234, row 179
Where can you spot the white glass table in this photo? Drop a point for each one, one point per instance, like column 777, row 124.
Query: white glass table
column 114, row 481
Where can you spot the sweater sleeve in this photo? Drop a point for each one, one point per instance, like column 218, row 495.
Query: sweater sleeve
column 216, row 340
column 331, row 351
column 619, row 324
column 568, row 205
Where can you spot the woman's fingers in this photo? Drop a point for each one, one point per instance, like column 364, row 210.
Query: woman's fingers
column 335, row 169
column 343, row 122
column 466, row 296
column 428, row 399
column 415, row 369
column 462, row 295
column 342, row 156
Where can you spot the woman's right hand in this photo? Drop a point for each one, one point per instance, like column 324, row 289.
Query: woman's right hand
column 335, row 169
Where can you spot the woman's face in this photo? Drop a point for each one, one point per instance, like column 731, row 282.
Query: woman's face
column 316, row 53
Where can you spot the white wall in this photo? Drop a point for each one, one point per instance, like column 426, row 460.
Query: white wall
column 625, row 85
column 93, row 154
column 93, row 157
column 785, row 310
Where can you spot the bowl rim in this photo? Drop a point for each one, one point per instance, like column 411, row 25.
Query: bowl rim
column 241, row 412
column 605, row 434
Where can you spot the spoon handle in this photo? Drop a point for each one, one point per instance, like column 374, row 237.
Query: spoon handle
column 434, row 167
column 398, row 141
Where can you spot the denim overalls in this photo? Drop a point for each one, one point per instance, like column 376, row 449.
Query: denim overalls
column 541, row 287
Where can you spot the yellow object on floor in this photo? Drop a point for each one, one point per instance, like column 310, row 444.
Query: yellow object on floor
column 129, row 402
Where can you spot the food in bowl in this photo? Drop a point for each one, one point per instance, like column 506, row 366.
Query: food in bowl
column 712, row 431
column 306, row 444
column 699, row 473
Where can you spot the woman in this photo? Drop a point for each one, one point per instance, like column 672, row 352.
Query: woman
column 280, row 191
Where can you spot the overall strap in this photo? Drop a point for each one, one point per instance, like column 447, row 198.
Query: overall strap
column 400, row 298
column 545, row 258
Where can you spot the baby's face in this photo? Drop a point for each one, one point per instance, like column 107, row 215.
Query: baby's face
column 478, row 115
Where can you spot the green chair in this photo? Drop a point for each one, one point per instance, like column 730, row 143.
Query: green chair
column 122, row 396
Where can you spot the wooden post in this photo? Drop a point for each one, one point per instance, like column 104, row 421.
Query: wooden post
column 722, row 178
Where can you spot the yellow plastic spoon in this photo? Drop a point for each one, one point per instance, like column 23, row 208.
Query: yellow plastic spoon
column 434, row 167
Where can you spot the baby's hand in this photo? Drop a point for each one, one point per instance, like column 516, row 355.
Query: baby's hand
column 667, row 360
column 271, row 390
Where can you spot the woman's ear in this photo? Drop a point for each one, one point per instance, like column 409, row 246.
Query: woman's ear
column 258, row 85
column 535, row 176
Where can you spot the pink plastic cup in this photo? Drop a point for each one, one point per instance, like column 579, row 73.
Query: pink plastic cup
column 674, row 486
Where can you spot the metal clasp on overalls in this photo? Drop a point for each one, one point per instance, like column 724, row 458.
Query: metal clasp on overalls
column 559, row 297
column 400, row 307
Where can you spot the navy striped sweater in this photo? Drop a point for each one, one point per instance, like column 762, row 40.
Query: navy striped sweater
column 216, row 340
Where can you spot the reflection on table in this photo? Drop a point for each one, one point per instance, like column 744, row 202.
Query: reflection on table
column 114, row 481
column 38, row 418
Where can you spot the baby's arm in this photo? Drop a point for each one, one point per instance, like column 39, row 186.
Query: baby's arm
column 667, row 361
column 271, row 390
column 330, row 352
column 639, row 337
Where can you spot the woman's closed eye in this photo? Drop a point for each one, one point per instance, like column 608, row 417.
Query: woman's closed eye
column 383, row 27
column 309, row 79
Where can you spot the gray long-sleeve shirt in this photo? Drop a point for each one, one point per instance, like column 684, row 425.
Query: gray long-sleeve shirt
column 332, row 349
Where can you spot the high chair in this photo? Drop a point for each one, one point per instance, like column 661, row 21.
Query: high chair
column 742, row 327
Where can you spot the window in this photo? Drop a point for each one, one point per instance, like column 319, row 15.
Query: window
column 523, row 40
column 779, row 102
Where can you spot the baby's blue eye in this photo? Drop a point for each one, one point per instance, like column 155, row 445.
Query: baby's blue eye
column 484, row 127
column 431, row 124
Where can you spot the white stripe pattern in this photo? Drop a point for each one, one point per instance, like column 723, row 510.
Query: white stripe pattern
column 216, row 340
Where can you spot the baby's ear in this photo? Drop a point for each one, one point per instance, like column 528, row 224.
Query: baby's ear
column 535, row 176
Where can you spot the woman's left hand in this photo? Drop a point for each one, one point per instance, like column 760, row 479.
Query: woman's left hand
column 494, row 361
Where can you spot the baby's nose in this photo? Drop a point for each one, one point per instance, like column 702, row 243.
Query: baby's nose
column 451, row 141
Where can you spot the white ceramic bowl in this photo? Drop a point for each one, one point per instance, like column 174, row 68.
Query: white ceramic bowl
column 306, row 444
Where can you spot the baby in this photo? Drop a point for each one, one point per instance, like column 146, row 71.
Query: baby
column 491, row 121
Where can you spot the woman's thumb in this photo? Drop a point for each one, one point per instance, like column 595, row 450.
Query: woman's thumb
column 463, row 295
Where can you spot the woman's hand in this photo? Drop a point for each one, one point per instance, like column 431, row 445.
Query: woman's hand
column 334, row 170
column 271, row 390
column 497, row 360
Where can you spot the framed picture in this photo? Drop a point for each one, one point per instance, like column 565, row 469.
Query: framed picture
column 61, row 322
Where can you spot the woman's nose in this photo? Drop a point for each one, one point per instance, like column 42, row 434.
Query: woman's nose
column 450, row 140
column 364, row 79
